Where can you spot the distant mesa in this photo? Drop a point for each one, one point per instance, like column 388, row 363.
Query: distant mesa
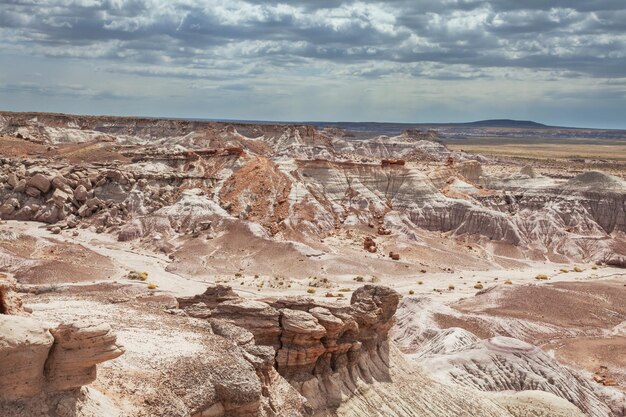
column 520, row 124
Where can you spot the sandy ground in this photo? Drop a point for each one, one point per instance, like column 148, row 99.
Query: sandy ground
column 124, row 257
column 445, row 287
column 143, row 326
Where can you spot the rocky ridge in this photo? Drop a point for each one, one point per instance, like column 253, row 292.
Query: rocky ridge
column 339, row 359
column 322, row 349
column 296, row 181
column 285, row 199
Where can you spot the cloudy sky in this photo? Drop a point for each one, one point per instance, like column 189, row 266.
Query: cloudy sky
column 554, row 61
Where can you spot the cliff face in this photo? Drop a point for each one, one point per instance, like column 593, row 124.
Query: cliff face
column 338, row 360
column 324, row 350
column 42, row 366
column 38, row 360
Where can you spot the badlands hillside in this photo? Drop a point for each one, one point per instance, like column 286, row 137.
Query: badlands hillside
column 160, row 267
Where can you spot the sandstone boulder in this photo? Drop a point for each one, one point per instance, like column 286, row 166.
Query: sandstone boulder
column 40, row 182
column 32, row 192
column 9, row 206
column 80, row 193
column 78, row 347
column 61, row 183
column 257, row 317
column 20, row 187
column 369, row 244
column 211, row 297
column 10, row 301
column 94, row 202
column 12, row 180
column 24, row 346
column 300, row 343
column 60, row 197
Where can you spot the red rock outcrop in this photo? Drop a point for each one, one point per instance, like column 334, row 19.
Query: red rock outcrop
column 10, row 302
column 258, row 317
column 24, row 348
column 78, row 348
column 399, row 162
column 36, row 360
column 211, row 297
column 369, row 244
column 320, row 348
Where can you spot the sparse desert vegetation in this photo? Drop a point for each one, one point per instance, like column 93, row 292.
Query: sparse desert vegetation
column 136, row 275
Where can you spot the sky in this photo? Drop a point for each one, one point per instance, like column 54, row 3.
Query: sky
column 560, row 62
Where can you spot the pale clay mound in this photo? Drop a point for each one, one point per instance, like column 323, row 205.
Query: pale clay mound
column 278, row 211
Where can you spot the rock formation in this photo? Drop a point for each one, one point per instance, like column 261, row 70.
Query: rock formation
column 36, row 359
column 38, row 362
column 24, row 348
column 317, row 347
column 10, row 301
column 548, row 315
column 496, row 364
column 78, row 347
column 338, row 358
column 294, row 180
column 257, row 199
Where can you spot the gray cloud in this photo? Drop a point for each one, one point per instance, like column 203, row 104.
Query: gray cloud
column 231, row 44
column 497, row 33
column 72, row 91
